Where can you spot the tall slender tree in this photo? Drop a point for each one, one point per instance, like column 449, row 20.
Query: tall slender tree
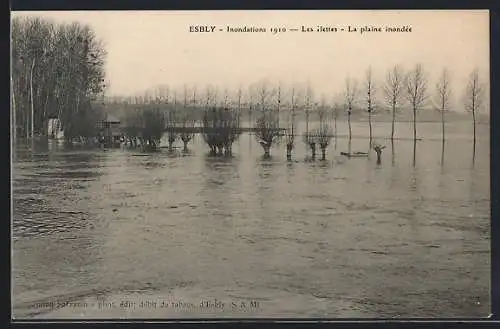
column 370, row 100
column 350, row 100
column 474, row 98
column 416, row 93
column 442, row 97
column 309, row 107
column 393, row 92
column 290, row 133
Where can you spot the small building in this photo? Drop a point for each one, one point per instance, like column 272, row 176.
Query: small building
column 110, row 130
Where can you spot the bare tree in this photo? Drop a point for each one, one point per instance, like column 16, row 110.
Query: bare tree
column 322, row 110
column 210, row 120
column 350, row 99
column 323, row 134
column 171, row 123
column 220, row 129
column 416, row 93
column 336, row 110
column 474, row 98
column 232, row 129
column 188, row 120
column 309, row 107
column 225, row 98
column 370, row 96
column 442, row 97
column 252, row 104
column 267, row 124
column 393, row 92
column 149, row 95
column 152, row 129
column 378, row 149
column 220, row 125
column 239, row 98
column 133, row 121
column 308, row 103
column 290, row 132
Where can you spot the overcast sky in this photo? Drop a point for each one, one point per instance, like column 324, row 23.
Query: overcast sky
column 151, row 48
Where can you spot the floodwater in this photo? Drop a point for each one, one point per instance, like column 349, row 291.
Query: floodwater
column 121, row 234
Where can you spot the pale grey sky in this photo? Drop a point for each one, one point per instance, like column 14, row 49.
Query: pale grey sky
column 151, row 48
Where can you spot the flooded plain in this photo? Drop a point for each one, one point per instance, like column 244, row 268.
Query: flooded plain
column 120, row 233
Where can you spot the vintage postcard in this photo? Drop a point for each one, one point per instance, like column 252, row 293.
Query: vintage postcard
column 250, row 164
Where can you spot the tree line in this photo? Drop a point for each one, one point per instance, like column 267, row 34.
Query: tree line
column 273, row 108
column 57, row 71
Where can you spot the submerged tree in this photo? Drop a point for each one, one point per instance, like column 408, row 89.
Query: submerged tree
column 171, row 124
column 323, row 138
column 220, row 130
column 152, row 130
column 267, row 125
column 378, row 149
column 416, row 93
column 336, row 110
column 290, row 132
column 239, row 105
column 188, row 120
column 442, row 98
column 309, row 137
column 393, row 92
column 323, row 135
column 350, row 99
column 133, row 123
column 474, row 97
column 231, row 131
column 210, row 120
column 370, row 95
column 220, row 125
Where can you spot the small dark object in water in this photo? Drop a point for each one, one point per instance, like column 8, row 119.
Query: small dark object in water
column 115, row 210
column 378, row 148
column 354, row 154
column 173, row 207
